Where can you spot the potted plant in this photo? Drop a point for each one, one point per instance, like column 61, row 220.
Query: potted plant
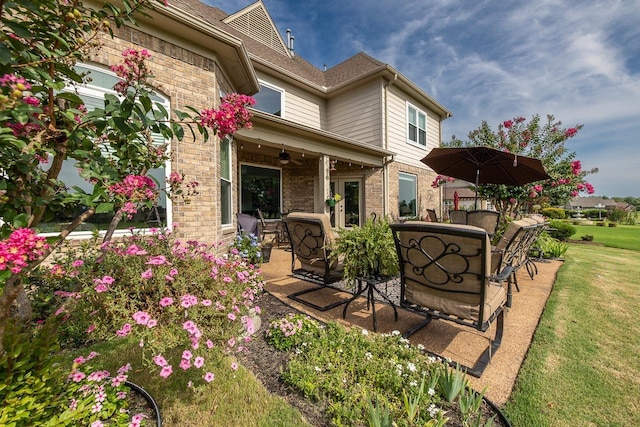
column 367, row 250
column 335, row 198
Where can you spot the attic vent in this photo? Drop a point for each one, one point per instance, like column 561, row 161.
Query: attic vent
column 256, row 24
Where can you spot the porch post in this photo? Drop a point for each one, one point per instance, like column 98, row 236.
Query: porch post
column 324, row 184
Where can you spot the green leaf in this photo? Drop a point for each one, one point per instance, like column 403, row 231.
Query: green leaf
column 105, row 208
column 70, row 96
column 5, row 54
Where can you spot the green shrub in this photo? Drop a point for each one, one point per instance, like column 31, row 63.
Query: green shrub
column 616, row 215
column 600, row 223
column 587, row 238
column 553, row 213
column 291, row 331
column 631, row 218
column 561, row 230
column 613, row 224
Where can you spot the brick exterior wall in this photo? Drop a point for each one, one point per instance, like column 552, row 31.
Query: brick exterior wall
column 185, row 78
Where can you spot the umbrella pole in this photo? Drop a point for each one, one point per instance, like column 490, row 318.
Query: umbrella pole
column 475, row 203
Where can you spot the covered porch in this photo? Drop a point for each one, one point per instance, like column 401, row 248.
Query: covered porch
column 284, row 166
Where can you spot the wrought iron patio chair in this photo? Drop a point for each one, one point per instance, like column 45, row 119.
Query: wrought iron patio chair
column 310, row 235
column 445, row 274
column 458, row 216
column 267, row 229
column 485, row 219
column 431, row 214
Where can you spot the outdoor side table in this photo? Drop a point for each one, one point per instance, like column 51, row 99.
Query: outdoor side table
column 370, row 285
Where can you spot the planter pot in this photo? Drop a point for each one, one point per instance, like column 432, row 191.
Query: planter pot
column 150, row 401
column 266, row 253
column 331, row 202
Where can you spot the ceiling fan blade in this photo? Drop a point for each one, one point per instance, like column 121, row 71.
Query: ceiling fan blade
column 296, row 161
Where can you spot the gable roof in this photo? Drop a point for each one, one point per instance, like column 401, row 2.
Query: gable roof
column 591, row 202
column 254, row 26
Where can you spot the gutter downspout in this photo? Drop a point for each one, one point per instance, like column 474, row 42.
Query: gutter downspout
column 443, row 188
column 385, row 168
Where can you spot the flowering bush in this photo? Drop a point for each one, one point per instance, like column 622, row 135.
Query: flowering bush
column 291, row 331
column 178, row 300
column 247, row 246
column 537, row 139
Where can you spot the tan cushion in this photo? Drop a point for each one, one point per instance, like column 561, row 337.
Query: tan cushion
column 326, row 223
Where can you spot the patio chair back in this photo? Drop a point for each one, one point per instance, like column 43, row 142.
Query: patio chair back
column 458, row 216
column 248, row 224
column 445, row 273
column 485, row 219
column 310, row 234
column 431, row 214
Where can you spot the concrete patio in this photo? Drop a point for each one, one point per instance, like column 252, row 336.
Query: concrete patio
column 446, row 339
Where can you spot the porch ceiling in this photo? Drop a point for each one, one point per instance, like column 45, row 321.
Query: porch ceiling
column 277, row 133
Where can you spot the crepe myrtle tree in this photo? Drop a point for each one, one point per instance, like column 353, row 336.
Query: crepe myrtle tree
column 544, row 140
column 43, row 123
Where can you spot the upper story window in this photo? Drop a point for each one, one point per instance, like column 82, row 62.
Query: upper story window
column 416, row 126
column 270, row 99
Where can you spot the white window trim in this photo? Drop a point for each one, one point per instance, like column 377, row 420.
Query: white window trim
column 228, row 140
column 99, row 92
column 406, row 128
column 277, row 89
column 415, row 181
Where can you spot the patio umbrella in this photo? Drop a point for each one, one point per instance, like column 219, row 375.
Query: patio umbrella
column 456, row 200
column 485, row 165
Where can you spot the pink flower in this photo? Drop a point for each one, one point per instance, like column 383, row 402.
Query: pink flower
column 124, row 331
column 188, row 301
column 101, row 287
column 151, row 323
column 147, row 274
column 77, row 376
column 77, row 263
column 108, row 280
column 141, row 317
column 166, row 371
column 157, row 260
column 206, row 302
column 91, row 329
column 166, row 301
column 198, row 362
column 209, row 376
column 159, row 360
column 209, row 344
column 185, row 364
column 234, row 366
column 187, row 354
column 231, row 316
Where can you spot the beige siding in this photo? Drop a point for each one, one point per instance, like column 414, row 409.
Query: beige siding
column 357, row 114
column 299, row 106
column 406, row 153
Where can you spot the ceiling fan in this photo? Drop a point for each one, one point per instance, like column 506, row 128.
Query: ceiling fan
column 285, row 158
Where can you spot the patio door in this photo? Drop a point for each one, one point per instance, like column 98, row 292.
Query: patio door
column 348, row 211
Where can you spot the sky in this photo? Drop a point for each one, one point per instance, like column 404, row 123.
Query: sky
column 578, row 60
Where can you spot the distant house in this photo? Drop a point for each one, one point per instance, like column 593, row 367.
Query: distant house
column 583, row 203
column 626, row 206
column 358, row 129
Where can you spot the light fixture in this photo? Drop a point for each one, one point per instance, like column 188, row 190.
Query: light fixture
column 333, row 165
column 284, row 157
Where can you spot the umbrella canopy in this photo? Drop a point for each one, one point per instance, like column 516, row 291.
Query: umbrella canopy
column 485, row 165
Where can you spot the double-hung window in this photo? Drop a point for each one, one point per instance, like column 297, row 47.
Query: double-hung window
column 92, row 93
column 225, row 181
column 416, row 126
column 270, row 99
column 407, row 195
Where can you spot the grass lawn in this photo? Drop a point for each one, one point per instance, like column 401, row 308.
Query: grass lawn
column 583, row 365
column 622, row 236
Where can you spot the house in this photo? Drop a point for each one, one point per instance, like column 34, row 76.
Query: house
column 358, row 129
column 582, row 203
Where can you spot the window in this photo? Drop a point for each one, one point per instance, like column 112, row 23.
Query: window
column 270, row 99
column 407, row 194
column 92, row 94
column 260, row 189
column 225, row 180
column 416, row 126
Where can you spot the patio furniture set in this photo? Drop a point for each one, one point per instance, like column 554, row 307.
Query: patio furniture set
column 446, row 271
